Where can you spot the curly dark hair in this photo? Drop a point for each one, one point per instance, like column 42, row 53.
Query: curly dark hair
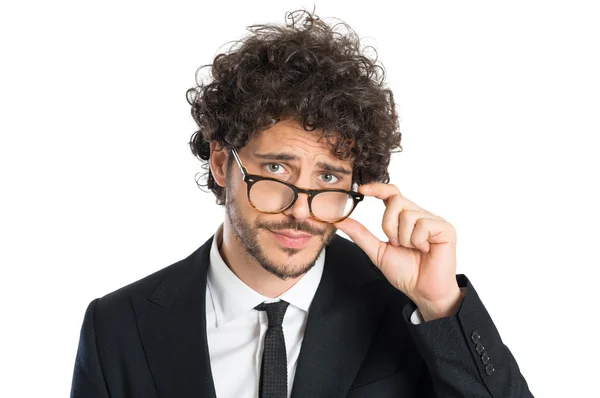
column 306, row 71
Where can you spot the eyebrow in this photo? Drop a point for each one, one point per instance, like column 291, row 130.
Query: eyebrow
column 288, row 157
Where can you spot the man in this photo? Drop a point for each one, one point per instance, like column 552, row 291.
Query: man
column 295, row 128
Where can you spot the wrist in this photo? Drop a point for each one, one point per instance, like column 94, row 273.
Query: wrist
column 440, row 308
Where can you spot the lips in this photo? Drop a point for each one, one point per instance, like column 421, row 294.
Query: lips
column 293, row 235
column 291, row 240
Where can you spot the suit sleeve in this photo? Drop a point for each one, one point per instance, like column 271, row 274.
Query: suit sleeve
column 88, row 379
column 464, row 354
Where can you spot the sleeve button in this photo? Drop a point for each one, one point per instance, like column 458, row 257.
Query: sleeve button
column 489, row 369
column 485, row 358
column 475, row 337
column 480, row 348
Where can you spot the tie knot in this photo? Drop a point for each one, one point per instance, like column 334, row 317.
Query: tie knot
column 275, row 311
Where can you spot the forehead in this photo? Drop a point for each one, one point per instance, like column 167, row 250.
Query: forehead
column 289, row 135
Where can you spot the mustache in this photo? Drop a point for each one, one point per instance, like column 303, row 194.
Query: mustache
column 291, row 225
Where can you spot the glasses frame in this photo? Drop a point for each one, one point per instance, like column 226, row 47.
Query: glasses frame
column 251, row 179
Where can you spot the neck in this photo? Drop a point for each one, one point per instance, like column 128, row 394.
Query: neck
column 248, row 270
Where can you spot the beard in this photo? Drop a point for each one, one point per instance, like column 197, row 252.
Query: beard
column 247, row 235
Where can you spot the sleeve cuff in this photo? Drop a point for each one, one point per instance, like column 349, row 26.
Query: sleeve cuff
column 417, row 318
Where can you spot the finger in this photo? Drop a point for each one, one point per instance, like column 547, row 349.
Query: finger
column 360, row 235
column 390, row 222
column 385, row 192
column 406, row 225
column 379, row 190
column 429, row 230
column 398, row 218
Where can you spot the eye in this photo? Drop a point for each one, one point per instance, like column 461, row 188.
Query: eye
column 274, row 168
column 330, row 178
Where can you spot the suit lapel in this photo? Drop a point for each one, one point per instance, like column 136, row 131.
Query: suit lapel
column 172, row 327
column 343, row 319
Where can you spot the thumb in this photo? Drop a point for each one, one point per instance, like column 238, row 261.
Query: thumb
column 368, row 242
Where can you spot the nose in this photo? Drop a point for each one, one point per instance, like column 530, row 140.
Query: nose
column 299, row 210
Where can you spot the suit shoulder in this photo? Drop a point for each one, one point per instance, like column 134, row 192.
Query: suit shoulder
column 145, row 286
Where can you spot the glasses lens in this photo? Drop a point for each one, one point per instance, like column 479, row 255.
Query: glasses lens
column 270, row 196
column 331, row 206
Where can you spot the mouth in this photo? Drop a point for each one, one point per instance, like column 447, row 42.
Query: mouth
column 291, row 239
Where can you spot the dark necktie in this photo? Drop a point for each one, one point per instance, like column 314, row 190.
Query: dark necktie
column 273, row 370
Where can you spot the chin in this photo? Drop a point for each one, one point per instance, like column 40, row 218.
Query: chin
column 289, row 260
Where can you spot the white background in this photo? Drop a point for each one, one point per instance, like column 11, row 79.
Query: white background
column 499, row 114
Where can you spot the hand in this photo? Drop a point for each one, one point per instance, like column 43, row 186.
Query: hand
column 420, row 257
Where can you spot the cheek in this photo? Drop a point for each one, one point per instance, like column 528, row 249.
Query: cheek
column 236, row 192
column 249, row 213
column 329, row 230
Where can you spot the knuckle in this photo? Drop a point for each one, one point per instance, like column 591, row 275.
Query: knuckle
column 405, row 240
column 406, row 216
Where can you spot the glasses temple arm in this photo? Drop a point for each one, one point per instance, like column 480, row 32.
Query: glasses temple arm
column 239, row 162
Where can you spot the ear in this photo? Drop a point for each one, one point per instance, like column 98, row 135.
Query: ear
column 218, row 163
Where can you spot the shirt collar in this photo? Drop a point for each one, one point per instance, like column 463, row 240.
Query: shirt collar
column 231, row 297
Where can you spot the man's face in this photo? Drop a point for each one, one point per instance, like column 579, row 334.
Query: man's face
column 289, row 153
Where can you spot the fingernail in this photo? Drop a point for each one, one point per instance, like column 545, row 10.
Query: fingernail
column 394, row 242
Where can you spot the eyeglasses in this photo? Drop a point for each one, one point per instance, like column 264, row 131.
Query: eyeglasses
column 272, row 196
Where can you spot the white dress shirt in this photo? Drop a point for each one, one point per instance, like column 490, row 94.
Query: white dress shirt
column 236, row 331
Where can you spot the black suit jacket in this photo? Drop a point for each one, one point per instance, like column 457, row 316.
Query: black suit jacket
column 148, row 339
